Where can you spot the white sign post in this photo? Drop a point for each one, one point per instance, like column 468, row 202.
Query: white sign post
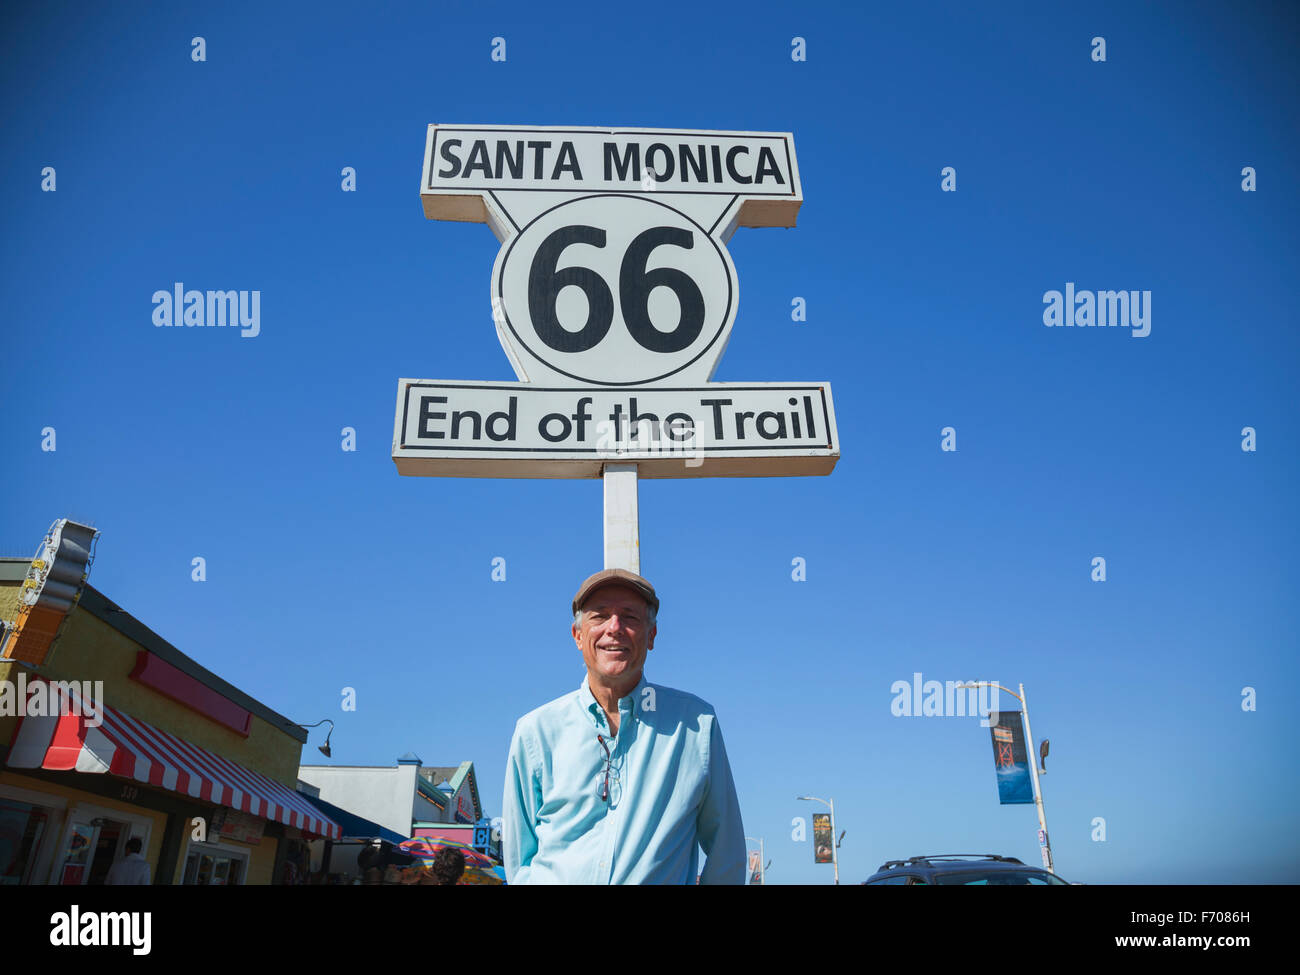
column 613, row 296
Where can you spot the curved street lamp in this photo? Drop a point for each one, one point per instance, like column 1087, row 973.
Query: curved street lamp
column 1033, row 766
column 835, row 845
column 763, row 862
column 325, row 748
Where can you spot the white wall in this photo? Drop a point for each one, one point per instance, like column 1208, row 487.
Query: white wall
column 382, row 795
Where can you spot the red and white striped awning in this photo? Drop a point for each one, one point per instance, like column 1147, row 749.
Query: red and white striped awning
column 134, row 749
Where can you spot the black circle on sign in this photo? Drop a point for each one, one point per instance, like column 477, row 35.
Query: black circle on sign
column 505, row 314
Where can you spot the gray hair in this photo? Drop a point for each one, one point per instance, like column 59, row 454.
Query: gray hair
column 650, row 612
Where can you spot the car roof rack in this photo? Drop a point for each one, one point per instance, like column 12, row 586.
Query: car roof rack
column 948, row 857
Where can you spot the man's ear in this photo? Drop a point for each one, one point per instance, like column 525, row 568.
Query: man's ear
column 577, row 640
column 650, row 641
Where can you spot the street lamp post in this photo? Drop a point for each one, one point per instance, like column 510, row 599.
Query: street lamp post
column 1033, row 767
column 835, row 846
column 1038, row 789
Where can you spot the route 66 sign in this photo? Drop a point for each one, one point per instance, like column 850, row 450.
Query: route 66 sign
column 614, row 296
column 653, row 297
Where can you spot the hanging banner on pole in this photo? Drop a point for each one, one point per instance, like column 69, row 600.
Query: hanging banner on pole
column 1011, row 759
column 613, row 296
column 823, row 841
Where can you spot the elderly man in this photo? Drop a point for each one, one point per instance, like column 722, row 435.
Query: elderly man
column 620, row 781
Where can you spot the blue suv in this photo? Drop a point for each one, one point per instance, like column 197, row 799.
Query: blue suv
column 964, row 868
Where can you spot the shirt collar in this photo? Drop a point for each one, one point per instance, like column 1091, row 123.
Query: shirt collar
column 627, row 704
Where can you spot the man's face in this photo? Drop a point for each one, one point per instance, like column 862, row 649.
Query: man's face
column 615, row 635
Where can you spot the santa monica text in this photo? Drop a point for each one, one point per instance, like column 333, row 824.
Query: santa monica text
column 750, row 162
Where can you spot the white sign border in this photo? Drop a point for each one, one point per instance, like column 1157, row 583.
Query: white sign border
column 757, row 460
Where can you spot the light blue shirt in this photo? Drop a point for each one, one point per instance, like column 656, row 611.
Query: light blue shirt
column 670, row 792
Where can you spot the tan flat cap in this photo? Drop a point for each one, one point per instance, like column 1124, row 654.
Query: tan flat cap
column 623, row 576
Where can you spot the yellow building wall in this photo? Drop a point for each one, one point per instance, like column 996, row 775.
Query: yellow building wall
column 8, row 723
column 90, row 649
column 261, row 864
column 9, row 599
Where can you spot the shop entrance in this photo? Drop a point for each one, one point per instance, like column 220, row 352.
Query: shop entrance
column 92, row 847
column 108, row 847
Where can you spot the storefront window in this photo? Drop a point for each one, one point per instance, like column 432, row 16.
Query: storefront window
column 77, row 857
column 211, row 867
column 21, row 828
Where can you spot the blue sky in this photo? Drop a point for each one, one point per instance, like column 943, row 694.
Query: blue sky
column 326, row 569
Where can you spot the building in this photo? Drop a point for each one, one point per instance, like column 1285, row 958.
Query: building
column 339, row 861
column 410, row 798
column 108, row 732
